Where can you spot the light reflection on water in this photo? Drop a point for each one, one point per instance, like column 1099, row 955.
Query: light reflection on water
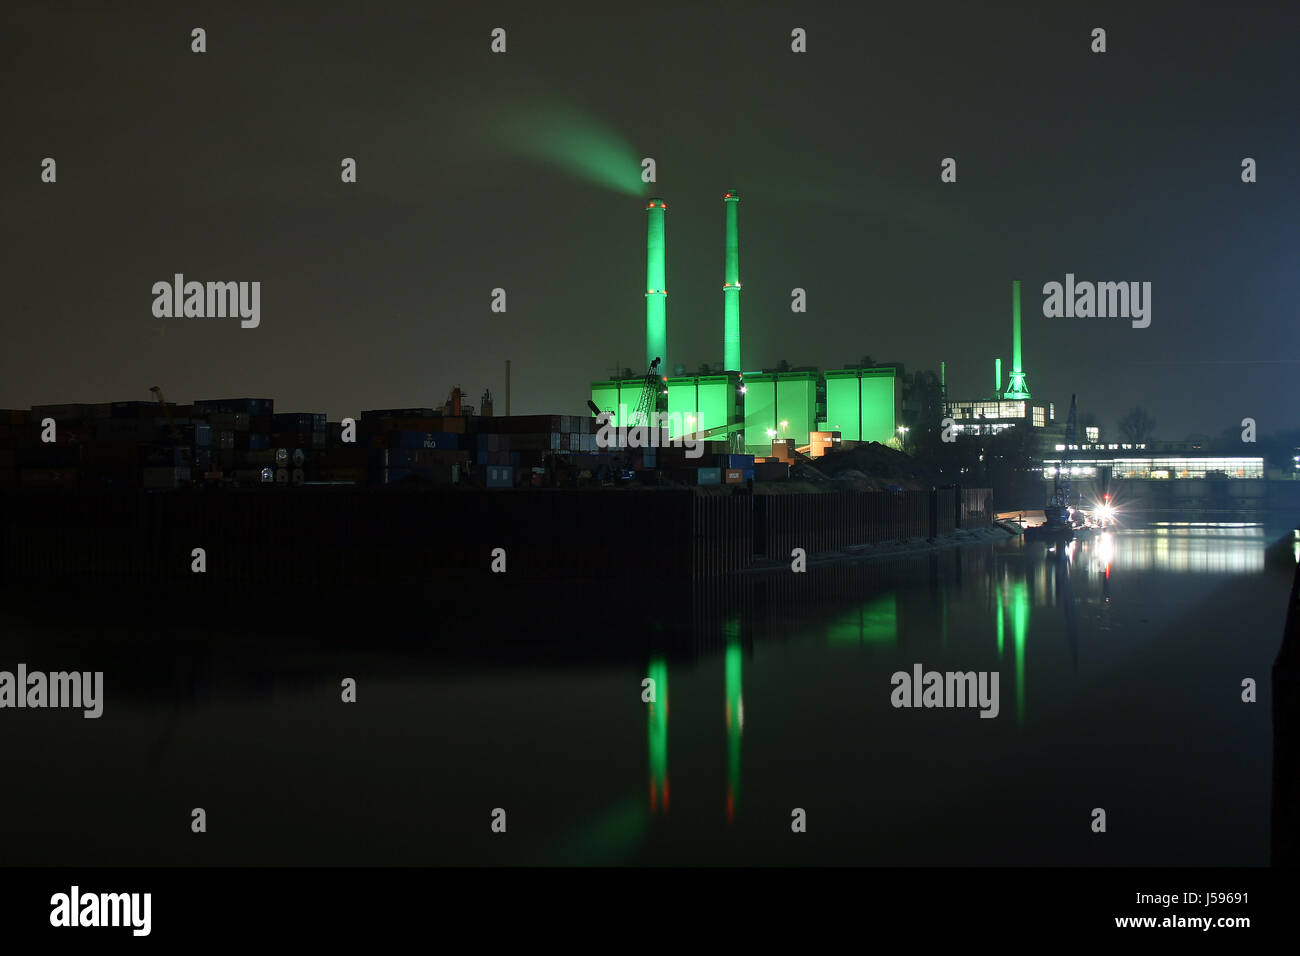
column 779, row 699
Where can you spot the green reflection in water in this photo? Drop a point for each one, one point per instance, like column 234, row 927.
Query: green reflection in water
column 735, row 715
column 1001, row 626
column 657, row 716
column 1020, row 634
column 874, row 622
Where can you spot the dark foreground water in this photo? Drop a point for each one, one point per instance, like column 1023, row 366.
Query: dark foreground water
column 1120, row 669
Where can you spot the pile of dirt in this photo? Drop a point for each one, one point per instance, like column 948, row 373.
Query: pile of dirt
column 872, row 466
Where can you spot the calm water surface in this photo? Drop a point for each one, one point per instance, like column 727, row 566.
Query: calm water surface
column 1120, row 670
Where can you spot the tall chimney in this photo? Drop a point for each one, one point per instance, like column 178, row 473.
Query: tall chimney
column 731, row 287
column 656, row 295
column 507, row 387
column 1016, row 385
column 997, row 376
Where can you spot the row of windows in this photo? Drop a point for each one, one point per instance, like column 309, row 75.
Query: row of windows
column 1166, row 468
column 1123, row 447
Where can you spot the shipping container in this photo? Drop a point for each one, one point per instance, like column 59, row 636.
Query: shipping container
column 166, row 456
column 500, row 476
column 298, row 422
column 125, row 429
column 256, row 441
column 709, row 476
column 232, row 420
column 244, row 406
column 404, row 439
column 733, row 476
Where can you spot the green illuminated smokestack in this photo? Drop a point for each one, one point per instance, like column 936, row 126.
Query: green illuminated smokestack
column 997, row 376
column 731, row 287
column 656, row 295
column 1016, row 385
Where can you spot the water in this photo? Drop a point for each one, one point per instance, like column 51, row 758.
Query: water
column 1120, row 669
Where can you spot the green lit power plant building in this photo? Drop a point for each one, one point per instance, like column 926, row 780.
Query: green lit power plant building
column 750, row 410
column 993, row 413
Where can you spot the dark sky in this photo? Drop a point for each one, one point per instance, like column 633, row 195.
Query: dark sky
column 225, row 166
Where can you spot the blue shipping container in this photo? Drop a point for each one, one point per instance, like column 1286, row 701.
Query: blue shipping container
column 405, row 439
column 740, row 461
column 710, row 476
column 258, row 442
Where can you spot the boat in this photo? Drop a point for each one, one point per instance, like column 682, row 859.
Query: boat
column 1058, row 517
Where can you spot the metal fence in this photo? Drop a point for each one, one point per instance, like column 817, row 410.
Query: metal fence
column 268, row 539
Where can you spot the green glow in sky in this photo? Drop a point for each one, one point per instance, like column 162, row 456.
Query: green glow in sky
column 565, row 137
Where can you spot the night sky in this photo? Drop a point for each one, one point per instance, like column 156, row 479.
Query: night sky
column 478, row 170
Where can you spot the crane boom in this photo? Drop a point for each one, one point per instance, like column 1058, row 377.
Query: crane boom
column 649, row 396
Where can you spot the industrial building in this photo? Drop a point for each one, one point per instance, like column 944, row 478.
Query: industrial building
column 991, row 414
column 1152, row 460
column 747, row 409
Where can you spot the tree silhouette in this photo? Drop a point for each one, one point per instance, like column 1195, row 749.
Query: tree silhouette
column 1138, row 425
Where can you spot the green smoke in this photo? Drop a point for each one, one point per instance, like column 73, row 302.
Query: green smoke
column 563, row 136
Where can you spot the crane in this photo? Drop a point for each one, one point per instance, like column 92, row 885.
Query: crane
column 649, row 397
column 171, row 425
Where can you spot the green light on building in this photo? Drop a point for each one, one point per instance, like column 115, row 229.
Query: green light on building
column 731, row 286
column 862, row 404
column 796, row 405
column 700, row 402
column 610, row 394
column 656, row 294
column 1017, row 387
column 760, row 412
